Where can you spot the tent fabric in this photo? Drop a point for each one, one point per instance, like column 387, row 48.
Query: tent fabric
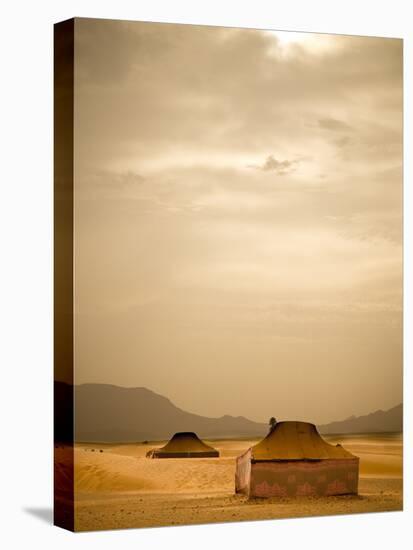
column 294, row 460
column 296, row 441
column 184, row 445
column 243, row 473
column 327, row 477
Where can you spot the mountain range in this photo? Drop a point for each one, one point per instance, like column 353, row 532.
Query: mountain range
column 111, row 413
column 378, row 421
column 108, row 413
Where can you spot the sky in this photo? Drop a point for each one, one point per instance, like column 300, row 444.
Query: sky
column 238, row 218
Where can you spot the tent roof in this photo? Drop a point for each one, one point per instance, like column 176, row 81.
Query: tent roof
column 184, row 442
column 295, row 441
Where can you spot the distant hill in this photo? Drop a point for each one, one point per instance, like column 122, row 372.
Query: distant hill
column 378, row 421
column 110, row 413
column 107, row 413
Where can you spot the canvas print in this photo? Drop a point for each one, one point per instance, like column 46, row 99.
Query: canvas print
column 228, row 274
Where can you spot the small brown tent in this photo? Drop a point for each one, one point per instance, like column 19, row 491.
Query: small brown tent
column 294, row 460
column 184, row 445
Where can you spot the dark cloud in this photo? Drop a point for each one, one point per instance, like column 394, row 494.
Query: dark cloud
column 334, row 125
column 280, row 167
column 342, row 141
column 141, row 89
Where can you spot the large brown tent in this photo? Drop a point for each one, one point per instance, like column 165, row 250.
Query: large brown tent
column 184, row 445
column 294, row 460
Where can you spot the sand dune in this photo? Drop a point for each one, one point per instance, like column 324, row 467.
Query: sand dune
column 380, row 456
column 117, row 486
column 106, row 471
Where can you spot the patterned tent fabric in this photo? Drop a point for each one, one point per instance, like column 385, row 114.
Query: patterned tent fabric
column 296, row 441
column 184, row 445
column 294, row 460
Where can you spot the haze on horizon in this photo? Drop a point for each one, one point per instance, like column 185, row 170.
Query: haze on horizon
column 238, row 218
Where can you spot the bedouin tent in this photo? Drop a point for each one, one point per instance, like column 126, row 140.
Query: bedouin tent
column 184, row 445
column 294, row 460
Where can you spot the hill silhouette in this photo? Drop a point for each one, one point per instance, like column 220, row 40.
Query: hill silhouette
column 378, row 421
column 112, row 413
column 108, row 413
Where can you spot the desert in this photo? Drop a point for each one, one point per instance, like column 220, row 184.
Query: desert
column 116, row 486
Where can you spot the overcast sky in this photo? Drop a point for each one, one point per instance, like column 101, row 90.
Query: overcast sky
column 238, row 218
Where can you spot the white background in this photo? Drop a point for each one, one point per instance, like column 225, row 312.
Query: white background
column 26, row 271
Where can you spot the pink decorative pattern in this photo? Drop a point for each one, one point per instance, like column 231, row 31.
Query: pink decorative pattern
column 264, row 489
column 306, row 490
column 337, row 487
column 297, row 478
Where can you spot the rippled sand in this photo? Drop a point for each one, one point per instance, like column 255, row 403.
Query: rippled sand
column 118, row 487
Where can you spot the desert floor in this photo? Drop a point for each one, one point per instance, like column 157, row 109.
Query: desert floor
column 118, row 487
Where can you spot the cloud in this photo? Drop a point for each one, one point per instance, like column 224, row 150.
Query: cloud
column 165, row 116
column 342, row 141
column 334, row 125
column 144, row 95
column 280, row 167
column 121, row 180
column 105, row 184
